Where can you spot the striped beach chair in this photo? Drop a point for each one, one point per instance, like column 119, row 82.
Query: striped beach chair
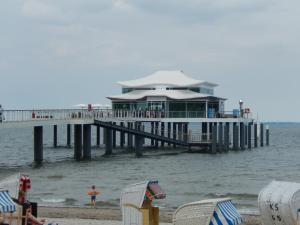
column 207, row 212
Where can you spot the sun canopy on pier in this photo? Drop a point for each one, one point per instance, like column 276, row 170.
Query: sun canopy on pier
column 207, row 212
column 6, row 203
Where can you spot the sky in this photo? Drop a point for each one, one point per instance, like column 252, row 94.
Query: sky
column 57, row 53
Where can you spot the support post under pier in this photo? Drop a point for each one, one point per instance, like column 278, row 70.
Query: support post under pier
column 69, row 135
column 220, row 137
column 108, row 141
column 267, row 136
column 87, row 141
column 174, row 133
column 214, row 138
column 255, row 135
column 249, row 135
column 54, row 136
column 122, row 136
column 242, row 136
column 226, row 136
column 162, row 132
column 38, row 144
column 77, row 142
column 261, row 134
column 98, row 133
column 169, row 132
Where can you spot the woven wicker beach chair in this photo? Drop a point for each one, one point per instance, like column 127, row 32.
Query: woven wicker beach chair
column 136, row 203
column 207, row 212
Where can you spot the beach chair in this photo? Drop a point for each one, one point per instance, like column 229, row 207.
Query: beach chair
column 279, row 203
column 207, row 212
column 10, row 213
column 136, row 203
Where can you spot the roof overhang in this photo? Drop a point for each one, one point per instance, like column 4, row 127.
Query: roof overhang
column 170, row 94
column 176, row 78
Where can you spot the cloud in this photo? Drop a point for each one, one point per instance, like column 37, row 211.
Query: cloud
column 200, row 10
column 42, row 10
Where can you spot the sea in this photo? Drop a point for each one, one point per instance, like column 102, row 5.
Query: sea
column 185, row 177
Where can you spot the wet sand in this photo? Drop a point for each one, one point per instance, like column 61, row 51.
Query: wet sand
column 68, row 215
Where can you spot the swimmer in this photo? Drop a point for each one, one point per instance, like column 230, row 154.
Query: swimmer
column 93, row 193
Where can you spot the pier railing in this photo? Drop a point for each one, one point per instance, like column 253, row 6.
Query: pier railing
column 81, row 114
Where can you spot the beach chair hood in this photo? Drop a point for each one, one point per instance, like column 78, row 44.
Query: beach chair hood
column 225, row 213
column 12, row 184
column 133, row 197
column 279, row 203
column 135, row 194
column 207, row 212
column 6, row 203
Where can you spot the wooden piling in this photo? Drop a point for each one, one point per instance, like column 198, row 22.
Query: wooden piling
column 156, row 133
column 69, row 135
column 77, row 142
column 185, row 132
column 130, row 137
column 54, row 136
column 255, row 135
column 108, row 141
column 220, row 137
column 179, row 135
column 249, row 135
column 246, row 134
column 114, row 137
column 214, row 139
column 87, row 142
column 169, row 133
column 98, row 135
column 38, row 143
column 235, row 137
column 162, row 133
column 261, row 134
column 267, row 136
column 174, row 134
column 242, row 136
column 226, row 136
column 122, row 136
column 152, row 132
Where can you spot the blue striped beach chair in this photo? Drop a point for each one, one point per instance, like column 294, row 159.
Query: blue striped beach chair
column 207, row 212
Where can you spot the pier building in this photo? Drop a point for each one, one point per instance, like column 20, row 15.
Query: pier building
column 172, row 94
column 158, row 110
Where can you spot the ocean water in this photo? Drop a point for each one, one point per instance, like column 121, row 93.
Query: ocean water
column 185, row 177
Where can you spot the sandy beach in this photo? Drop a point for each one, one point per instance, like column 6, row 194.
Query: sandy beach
column 74, row 216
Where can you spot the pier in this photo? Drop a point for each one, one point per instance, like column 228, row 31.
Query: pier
column 167, row 108
column 214, row 135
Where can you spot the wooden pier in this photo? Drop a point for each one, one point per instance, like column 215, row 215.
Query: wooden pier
column 213, row 135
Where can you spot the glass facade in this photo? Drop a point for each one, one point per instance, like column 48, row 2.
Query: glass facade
column 173, row 109
column 126, row 90
column 203, row 90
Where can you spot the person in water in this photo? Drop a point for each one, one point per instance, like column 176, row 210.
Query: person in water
column 93, row 193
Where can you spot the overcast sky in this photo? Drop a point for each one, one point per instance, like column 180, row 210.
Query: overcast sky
column 57, row 53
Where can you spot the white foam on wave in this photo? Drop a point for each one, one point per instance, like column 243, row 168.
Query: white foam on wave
column 59, row 200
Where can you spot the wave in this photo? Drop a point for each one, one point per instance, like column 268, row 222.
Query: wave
column 106, row 204
column 53, row 200
column 242, row 196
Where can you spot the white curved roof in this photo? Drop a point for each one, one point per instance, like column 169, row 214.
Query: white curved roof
column 172, row 94
column 172, row 78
